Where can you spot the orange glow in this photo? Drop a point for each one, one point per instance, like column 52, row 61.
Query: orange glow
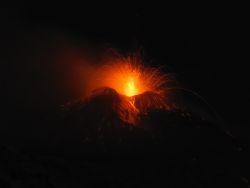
column 130, row 89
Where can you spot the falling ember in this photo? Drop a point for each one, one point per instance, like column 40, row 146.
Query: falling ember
column 133, row 81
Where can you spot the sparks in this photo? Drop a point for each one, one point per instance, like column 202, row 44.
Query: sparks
column 129, row 77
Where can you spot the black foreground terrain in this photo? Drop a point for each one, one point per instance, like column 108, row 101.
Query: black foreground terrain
column 90, row 146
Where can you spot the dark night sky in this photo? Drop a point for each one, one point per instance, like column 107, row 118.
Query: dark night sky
column 205, row 53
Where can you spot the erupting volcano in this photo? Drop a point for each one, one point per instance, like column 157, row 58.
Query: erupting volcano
column 138, row 88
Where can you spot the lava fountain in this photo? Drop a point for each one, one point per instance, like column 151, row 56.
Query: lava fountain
column 129, row 77
column 140, row 88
